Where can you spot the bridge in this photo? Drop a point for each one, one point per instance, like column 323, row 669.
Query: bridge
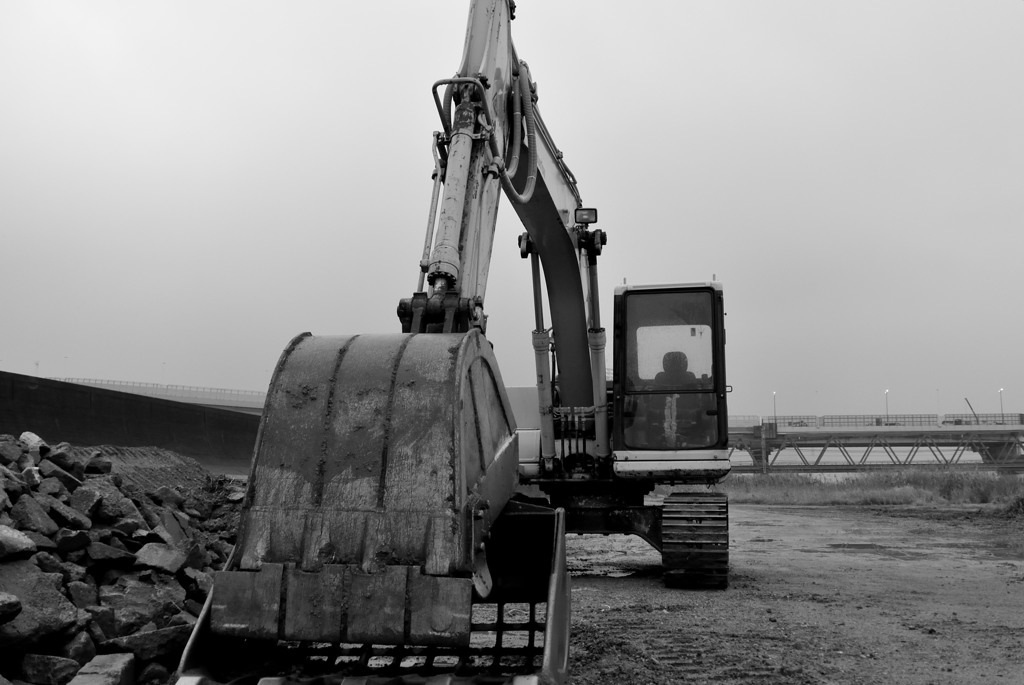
column 843, row 443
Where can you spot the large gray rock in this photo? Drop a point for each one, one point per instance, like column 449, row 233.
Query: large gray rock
column 63, row 514
column 10, row 606
column 31, row 474
column 168, row 496
column 44, row 610
column 80, row 648
column 62, row 456
column 202, row 582
column 28, row 514
column 85, row 500
column 150, row 513
column 49, row 563
column 43, row 543
column 117, row 541
column 14, row 543
column 50, row 470
column 136, row 603
column 183, row 519
column 107, row 669
column 165, row 644
column 96, row 633
column 103, row 626
column 114, row 508
column 12, row 483
column 175, row 534
column 43, row 669
column 82, row 594
column 35, row 445
column 161, row 557
column 68, row 540
column 5, row 500
column 111, row 500
column 99, row 464
column 54, row 488
column 10, row 450
column 108, row 555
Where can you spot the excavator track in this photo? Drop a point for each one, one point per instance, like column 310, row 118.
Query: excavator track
column 695, row 540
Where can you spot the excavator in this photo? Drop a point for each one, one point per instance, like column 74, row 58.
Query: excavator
column 400, row 525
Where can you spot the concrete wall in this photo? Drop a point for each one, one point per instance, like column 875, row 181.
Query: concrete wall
column 83, row 415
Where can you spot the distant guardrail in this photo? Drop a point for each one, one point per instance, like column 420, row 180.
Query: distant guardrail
column 872, row 420
column 191, row 393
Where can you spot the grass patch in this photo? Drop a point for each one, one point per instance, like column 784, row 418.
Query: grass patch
column 904, row 487
column 1015, row 508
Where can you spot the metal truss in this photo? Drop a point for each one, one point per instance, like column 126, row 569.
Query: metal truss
column 864, row 448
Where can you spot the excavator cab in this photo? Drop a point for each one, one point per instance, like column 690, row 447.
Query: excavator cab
column 669, row 426
column 669, row 391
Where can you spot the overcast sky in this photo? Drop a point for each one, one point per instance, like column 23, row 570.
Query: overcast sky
column 184, row 186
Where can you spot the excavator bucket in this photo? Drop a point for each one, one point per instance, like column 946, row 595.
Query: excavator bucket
column 377, row 541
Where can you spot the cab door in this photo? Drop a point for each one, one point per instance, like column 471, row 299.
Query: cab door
column 669, row 390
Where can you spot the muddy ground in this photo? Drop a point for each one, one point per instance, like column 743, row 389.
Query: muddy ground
column 817, row 595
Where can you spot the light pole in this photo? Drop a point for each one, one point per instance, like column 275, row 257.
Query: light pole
column 775, row 413
column 1002, row 418
column 887, row 407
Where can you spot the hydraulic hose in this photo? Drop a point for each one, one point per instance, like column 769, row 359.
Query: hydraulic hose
column 449, row 93
column 526, row 97
column 517, row 128
column 523, row 99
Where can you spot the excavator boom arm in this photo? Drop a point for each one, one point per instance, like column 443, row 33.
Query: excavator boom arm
column 482, row 152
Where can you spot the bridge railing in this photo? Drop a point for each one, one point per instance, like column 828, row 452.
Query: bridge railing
column 847, row 420
column 877, row 420
column 792, row 421
column 191, row 392
column 983, row 419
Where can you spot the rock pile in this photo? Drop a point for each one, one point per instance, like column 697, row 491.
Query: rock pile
column 101, row 580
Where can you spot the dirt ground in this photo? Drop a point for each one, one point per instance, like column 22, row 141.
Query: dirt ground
column 817, row 595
